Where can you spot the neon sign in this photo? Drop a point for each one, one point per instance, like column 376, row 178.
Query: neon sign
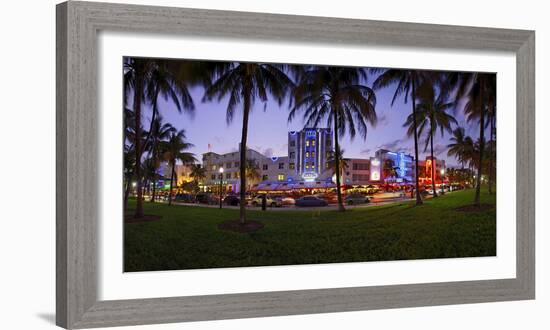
column 375, row 169
column 309, row 176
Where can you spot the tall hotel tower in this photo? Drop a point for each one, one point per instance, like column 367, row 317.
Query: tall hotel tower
column 308, row 151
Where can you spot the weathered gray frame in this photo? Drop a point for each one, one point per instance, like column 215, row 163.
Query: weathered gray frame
column 77, row 190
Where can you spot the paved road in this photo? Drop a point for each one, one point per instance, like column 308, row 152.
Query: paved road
column 374, row 202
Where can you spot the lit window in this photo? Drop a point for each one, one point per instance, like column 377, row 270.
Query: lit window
column 281, row 177
column 213, row 167
column 313, row 143
column 307, row 143
column 307, row 154
column 307, row 166
column 313, row 154
column 312, row 166
column 291, row 166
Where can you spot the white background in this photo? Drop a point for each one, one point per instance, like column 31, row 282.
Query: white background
column 27, row 138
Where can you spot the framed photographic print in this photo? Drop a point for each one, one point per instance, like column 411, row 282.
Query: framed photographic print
column 216, row 165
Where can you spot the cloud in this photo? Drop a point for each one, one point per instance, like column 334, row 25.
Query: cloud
column 383, row 120
column 366, row 151
column 268, row 152
column 439, row 149
column 392, row 145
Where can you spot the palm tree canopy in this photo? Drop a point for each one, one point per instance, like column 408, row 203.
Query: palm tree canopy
column 157, row 80
column 461, row 146
column 159, row 131
column 258, row 80
column 325, row 90
column 481, row 96
column 403, row 81
column 174, row 149
column 198, row 172
column 431, row 113
column 251, row 169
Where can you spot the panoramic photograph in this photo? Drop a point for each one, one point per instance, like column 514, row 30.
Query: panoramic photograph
column 242, row 164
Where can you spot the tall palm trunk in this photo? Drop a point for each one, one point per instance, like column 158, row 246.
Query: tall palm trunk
column 492, row 154
column 432, row 156
column 153, row 195
column 127, row 191
column 137, row 109
column 154, row 157
column 173, row 172
column 244, row 135
column 481, row 147
column 418, row 198
column 341, row 207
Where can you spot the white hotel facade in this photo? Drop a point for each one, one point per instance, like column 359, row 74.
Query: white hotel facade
column 306, row 163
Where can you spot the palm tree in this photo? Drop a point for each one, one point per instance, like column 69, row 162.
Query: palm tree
column 252, row 173
column 129, row 166
column 158, row 132
column 481, row 98
column 491, row 147
column 405, row 83
column 431, row 114
column 198, row 173
column 146, row 79
column 335, row 157
column 337, row 94
column 244, row 83
column 459, row 145
column 173, row 152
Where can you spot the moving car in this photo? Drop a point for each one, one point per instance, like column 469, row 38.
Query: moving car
column 311, row 201
column 269, row 201
column 329, row 198
column 356, row 199
column 232, row 200
column 286, row 200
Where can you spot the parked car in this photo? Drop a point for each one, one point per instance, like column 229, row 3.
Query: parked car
column 356, row 199
column 184, row 198
column 232, row 200
column 311, row 200
column 270, row 201
column 204, row 198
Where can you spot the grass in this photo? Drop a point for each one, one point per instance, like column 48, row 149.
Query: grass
column 188, row 237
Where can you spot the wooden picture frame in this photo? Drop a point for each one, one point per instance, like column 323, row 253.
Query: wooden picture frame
column 78, row 24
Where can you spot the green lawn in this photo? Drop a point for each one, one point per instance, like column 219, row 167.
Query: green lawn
column 187, row 237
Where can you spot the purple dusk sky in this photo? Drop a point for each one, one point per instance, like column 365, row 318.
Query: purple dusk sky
column 268, row 129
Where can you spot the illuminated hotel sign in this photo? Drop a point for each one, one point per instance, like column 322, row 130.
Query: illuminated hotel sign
column 375, row 169
column 309, row 176
column 401, row 158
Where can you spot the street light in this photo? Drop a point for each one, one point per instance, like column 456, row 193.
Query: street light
column 221, row 183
